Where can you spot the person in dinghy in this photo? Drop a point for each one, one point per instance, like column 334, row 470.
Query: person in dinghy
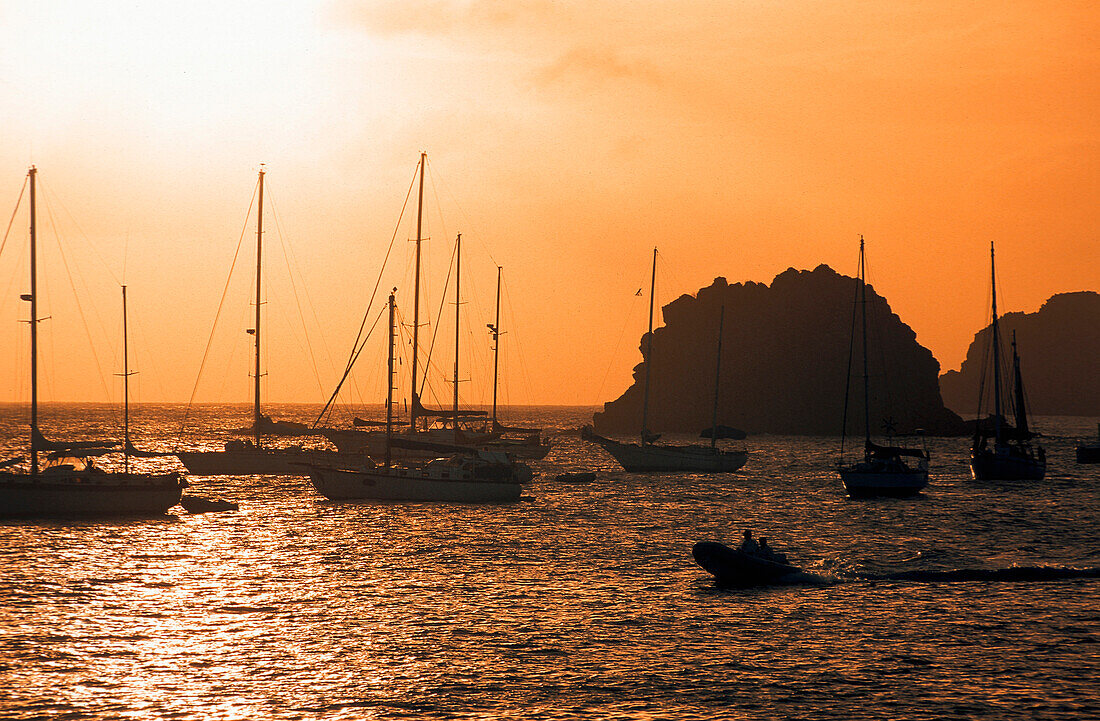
column 751, row 563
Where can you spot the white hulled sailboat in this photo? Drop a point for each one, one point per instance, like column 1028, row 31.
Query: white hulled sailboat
column 650, row 456
column 466, row 475
column 250, row 457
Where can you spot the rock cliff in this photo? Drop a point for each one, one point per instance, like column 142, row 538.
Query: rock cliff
column 785, row 355
column 1059, row 349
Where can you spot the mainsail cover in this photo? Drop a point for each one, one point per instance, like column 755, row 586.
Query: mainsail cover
column 439, row 413
column 885, row 452
column 90, row 448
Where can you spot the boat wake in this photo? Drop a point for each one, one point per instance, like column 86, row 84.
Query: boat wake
column 1013, row 573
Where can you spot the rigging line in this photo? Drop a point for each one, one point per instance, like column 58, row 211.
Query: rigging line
column 351, row 362
column 14, row 212
column 52, row 198
column 217, row 315
column 76, row 298
column 848, row 371
column 56, row 199
column 515, row 335
column 294, row 289
column 629, row 317
column 465, row 217
column 356, row 346
column 438, row 320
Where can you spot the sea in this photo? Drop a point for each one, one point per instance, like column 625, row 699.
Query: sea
column 971, row 600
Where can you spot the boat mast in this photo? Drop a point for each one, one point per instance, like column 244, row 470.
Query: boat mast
column 1021, row 408
column 259, row 267
column 413, row 399
column 649, row 348
column 717, row 381
column 125, row 388
column 32, row 174
column 458, row 317
column 495, row 328
column 863, row 319
column 996, row 352
column 389, row 381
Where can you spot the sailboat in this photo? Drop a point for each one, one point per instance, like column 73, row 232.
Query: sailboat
column 1090, row 452
column 69, row 484
column 519, row 441
column 884, row 470
column 1011, row 457
column 456, row 426
column 648, row 455
column 243, row 457
column 466, row 475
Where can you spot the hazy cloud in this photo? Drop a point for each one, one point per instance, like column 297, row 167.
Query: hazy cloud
column 453, row 19
column 599, row 63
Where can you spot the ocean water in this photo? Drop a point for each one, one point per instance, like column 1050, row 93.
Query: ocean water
column 972, row 600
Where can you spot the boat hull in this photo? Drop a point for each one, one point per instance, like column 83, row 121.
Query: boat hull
column 732, row 567
column 409, row 484
column 672, row 459
column 869, row 482
column 1007, row 465
column 1088, row 454
column 92, row 494
column 274, row 462
column 373, row 443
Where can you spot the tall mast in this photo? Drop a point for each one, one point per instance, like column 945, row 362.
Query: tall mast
column 496, row 350
column 125, row 388
column 1021, row 407
column 996, row 352
column 389, row 381
column 458, row 317
column 413, row 399
column 717, row 380
column 863, row 319
column 259, row 268
column 649, row 349
column 32, row 174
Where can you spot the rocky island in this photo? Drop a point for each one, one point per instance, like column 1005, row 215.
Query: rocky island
column 785, row 359
column 1059, row 347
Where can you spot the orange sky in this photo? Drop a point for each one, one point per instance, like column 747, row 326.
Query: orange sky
column 565, row 140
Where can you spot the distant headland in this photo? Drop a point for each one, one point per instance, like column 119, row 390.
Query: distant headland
column 785, row 358
column 1059, row 348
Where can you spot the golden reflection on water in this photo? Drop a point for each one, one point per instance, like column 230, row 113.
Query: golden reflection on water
column 580, row 602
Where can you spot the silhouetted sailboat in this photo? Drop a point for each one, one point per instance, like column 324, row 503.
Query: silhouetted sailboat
column 242, row 457
column 69, row 484
column 649, row 456
column 884, row 470
column 518, row 441
column 1011, row 456
column 1090, row 452
column 466, row 475
column 455, row 426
